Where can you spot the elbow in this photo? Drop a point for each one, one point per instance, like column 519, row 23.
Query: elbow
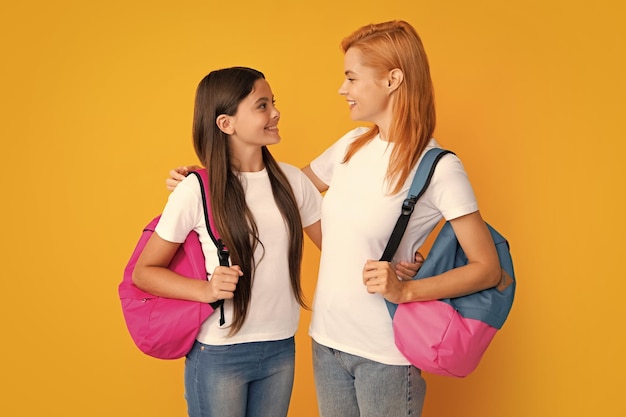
column 493, row 276
column 137, row 278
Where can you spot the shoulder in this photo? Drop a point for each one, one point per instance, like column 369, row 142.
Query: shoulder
column 294, row 175
column 183, row 211
column 190, row 184
column 449, row 162
column 450, row 189
column 336, row 151
column 288, row 169
column 300, row 183
column 356, row 132
column 187, row 192
column 340, row 145
column 352, row 135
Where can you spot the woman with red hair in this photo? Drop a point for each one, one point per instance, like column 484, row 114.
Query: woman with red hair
column 366, row 175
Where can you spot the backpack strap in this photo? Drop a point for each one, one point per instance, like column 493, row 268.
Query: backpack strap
column 421, row 180
column 222, row 252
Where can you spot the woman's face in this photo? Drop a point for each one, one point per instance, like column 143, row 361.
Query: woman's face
column 367, row 94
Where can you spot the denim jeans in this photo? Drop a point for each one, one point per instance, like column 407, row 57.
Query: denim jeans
column 351, row 386
column 241, row 380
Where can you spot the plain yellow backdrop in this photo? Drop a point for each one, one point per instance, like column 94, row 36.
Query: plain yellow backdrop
column 96, row 107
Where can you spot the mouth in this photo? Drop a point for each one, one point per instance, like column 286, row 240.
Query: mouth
column 272, row 128
column 351, row 103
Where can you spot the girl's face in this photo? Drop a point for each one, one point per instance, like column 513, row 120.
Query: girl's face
column 256, row 122
column 367, row 94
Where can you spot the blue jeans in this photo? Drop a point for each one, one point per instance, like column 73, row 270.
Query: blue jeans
column 241, row 380
column 351, row 386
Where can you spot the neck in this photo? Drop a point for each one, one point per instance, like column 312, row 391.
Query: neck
column 248, row 161
column 383, row 133
column 383, row 124
column 249, row 167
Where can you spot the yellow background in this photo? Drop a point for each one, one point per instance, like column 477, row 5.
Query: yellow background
column 96, row 107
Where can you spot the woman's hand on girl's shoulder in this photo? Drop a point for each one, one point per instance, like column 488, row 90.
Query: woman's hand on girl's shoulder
column 176, row 175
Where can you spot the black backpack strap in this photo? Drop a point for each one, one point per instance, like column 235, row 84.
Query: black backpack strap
column 222, row 252
column 421, row 180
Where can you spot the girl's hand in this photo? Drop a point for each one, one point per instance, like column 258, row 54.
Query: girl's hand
column 406, row 271
column 223, row 282
column 178, row 174
column 380, row 278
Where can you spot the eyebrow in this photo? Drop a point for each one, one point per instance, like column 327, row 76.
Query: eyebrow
column 348, row 72
column 264, row 100
column 261, row 99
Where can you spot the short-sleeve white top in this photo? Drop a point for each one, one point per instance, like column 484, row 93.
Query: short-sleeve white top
column 273, row 312
column 358, row 215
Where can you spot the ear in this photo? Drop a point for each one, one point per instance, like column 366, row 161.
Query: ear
column 224, row 122
column 394, row 79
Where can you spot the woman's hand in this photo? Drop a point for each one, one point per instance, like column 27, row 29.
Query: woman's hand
column 178, row 174
column 380, row 278
column 406, row 271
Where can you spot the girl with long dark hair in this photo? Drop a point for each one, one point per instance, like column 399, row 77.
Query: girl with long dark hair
column 245, row 367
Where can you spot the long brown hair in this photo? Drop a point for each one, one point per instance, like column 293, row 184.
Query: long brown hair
column 220, row 92
column 386, row 46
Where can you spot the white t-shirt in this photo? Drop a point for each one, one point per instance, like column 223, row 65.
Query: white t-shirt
column 358, row 216
column 273, row 312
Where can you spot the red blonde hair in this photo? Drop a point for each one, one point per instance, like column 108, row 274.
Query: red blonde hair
column 384, row 47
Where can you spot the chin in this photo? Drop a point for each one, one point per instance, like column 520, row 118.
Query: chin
column 355, row 116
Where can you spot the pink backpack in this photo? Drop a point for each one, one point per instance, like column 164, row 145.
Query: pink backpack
column 166, row 328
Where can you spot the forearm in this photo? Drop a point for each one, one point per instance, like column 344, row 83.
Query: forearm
column 456, row 282
column 481, row 272
column 162, row 282
column 319, row 184
column 314, row 232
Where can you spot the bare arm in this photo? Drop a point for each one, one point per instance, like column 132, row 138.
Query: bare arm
column 152, row 275
column 314, row 232
column 481, row 272
column 319, row 184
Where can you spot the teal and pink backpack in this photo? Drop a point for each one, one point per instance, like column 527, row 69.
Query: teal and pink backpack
column 449, row 336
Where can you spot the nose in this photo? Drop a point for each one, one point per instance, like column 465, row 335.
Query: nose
column 342, row 89
column 276, row 114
